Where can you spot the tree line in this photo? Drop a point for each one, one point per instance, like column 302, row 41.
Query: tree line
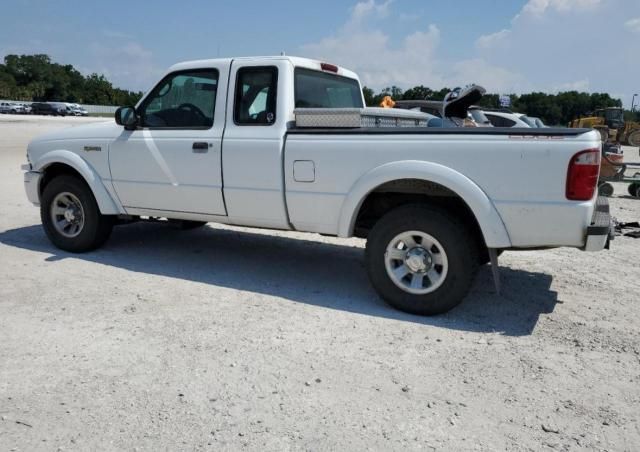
column 37, row 78
column 553, row 109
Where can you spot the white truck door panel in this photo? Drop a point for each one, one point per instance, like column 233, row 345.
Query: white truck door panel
column 253, row 144
column 160, row 170
column 161, row 166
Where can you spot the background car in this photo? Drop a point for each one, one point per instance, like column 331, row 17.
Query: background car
column 502, row 119
column 49, row 108
column 78, row 110
column 538, row 122
column 479, row 117
column 9, row 108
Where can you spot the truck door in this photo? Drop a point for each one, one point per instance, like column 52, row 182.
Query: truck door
column 258, row 110
column 172, row 161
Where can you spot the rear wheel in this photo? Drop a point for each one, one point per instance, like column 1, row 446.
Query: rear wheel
column 605, row 189
column 634, row 189
column 421, row 260
column 71, row 217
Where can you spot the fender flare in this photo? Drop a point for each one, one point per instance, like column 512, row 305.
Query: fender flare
column 105, row 202
column 491, row 224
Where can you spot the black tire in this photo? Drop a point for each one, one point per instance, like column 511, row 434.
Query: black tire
column 459, row 246
column 634, row 189
column 634, row 138
column 96, row 228
column 605, row 189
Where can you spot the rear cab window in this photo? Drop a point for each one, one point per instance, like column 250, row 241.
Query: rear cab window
column 256, row 96
column 315, row 89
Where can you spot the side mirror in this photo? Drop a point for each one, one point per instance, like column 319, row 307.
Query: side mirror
column 127, row 117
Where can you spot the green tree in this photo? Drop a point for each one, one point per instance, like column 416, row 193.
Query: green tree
column 36, row 77
column 418, row 93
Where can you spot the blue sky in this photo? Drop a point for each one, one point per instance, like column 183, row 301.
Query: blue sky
column 507, row 45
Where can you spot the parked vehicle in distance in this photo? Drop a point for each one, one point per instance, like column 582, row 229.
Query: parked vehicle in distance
column 81, row 111
column 77, row 110
column 220, row 141
column 479, row 117
column 26, row 109
column 538, row 122
column 501, row 119
column 11, row 108
column 49, row 108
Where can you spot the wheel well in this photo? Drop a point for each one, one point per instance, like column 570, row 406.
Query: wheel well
column 413, row 191
column 54, row 170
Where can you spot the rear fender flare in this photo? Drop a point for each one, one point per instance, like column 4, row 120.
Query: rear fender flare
column 493, row 229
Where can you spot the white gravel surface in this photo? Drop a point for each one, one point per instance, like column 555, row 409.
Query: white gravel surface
column 227, row 338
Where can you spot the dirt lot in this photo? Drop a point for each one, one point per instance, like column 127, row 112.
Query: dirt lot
column 225, row 338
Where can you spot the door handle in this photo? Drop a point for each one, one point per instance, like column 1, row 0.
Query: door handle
column 200, row 147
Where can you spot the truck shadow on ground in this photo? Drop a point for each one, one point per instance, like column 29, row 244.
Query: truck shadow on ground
column 304, row 271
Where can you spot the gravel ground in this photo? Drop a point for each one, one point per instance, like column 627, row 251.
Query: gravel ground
column 227, row 338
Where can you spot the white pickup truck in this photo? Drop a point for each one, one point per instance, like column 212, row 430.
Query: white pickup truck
column 218, row 141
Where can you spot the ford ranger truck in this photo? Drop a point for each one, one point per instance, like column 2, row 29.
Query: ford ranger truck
column 218, row 141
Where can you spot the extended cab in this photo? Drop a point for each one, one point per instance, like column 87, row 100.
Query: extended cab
column 217, row 141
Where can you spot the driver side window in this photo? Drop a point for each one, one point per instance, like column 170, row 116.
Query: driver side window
column 183, row 99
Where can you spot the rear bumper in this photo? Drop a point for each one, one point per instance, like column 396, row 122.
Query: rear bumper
column 600, row 231
column 31, row 184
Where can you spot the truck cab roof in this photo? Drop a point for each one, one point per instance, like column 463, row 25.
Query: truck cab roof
column 258, row 60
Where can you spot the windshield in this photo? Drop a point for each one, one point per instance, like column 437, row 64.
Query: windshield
column 314, row 89
column 614, row 115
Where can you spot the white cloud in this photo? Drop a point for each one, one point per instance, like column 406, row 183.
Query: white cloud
column 370, row 53
column 493, row 39
column 540, row 7
column 633, row 25
column 553, row 42
column 363, row 10
column 578, row 85
column 125, row 64
column 365, row 48
column 550, row 45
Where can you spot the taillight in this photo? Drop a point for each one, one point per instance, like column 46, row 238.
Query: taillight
column 582, row 175
column 329, row 67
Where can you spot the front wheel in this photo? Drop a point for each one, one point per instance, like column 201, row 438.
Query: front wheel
column 421, row 259
column 71, row 217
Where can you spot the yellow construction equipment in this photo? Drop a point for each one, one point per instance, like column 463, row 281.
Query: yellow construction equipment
column 611, row 125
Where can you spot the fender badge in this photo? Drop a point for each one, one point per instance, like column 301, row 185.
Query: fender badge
column 92, row 148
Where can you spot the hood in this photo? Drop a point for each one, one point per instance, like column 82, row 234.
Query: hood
column 107, row 129
column 458, row 101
